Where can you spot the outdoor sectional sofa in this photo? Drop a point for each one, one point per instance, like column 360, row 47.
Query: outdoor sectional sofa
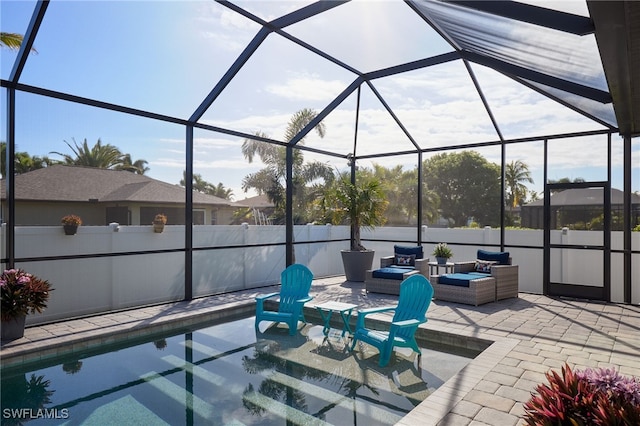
column 489, row 278
column 405, row 262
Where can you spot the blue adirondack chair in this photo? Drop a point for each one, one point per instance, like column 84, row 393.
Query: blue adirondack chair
column 294, row 293
column 415, row 297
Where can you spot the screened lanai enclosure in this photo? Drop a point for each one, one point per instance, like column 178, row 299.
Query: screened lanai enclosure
column 235, row 118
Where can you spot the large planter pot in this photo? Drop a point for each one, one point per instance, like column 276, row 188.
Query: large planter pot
column 442, row 260
column 356, row 263
column 14, row 328
column 70, row 229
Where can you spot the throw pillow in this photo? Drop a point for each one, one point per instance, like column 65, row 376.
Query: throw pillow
column 502, row 257
column 417, row 250
column 405, row 259
column 484, row 266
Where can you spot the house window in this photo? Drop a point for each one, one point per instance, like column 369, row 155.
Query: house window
column 214, row 217
column 122, row 215
column 198, row 217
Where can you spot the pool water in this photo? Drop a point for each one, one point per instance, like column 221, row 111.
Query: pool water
column 227, row 374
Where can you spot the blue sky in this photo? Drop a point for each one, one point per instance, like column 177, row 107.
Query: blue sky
column 165, row 56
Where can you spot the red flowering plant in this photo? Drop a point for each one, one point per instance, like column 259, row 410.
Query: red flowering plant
column 22, row 293
column 585, row 398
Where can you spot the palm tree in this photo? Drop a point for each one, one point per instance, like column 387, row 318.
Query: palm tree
column 23, row 161
column 101, row 156
column 138, row 167
column 222, row 192
column 363, row 205
column 402, row 192
column 271, row 179
column 516, row 173
column 26, row 163
column 12, row 41
column 201, row 185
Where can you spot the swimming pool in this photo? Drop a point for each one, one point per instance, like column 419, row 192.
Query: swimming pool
column 226, row 374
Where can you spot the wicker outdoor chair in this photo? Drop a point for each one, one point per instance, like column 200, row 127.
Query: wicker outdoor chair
column 500, row 281
column 479, row 291
column 390, row 275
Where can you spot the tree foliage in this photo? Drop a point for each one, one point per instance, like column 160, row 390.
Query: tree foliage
column 23, row 161
column 401, row 187
column 516, row 173
column 101, row 156
column 201, row 185
column 361, row 205
column 564, row 180
column 309, row 178
column 138, row 166
column 468, row 186
column 13, row 41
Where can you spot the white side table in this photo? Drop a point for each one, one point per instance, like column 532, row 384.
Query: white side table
column 345, row 310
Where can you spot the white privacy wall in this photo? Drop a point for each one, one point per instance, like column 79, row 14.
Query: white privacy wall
column 91, row 285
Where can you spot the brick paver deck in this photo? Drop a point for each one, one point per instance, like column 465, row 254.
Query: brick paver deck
column 531, row 335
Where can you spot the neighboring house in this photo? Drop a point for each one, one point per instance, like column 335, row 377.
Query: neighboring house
column 102, row 196
column 261, row 208
column 577, row 208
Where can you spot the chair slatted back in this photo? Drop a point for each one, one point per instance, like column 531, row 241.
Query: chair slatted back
column 415, row 297
column 296, row 283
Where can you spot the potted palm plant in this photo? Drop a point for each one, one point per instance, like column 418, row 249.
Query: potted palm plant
column 363, row 204
column 20, row 294
column 70, row 224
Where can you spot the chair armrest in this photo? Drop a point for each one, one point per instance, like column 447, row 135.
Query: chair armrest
column 462, row 267
column 501, row 271
column 406, row 323
column 398, row 325
column 305, row 299
column 386, row 261
column 422, row 265
column 364, row 312
column 266, row 296
column 376, row 310
column 409, row 273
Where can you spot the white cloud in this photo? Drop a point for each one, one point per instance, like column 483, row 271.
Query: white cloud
column 308, row 88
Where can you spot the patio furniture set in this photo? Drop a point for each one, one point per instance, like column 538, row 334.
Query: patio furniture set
column 489, row 278
column 415, row 297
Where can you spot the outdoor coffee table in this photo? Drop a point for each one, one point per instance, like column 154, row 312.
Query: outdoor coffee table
column 345, row 310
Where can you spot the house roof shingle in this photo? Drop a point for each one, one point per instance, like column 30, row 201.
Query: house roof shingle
column 258, row 202
column 584, row 197
column 81, row 184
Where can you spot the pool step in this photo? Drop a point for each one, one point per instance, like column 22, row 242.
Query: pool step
column 334, row 398
column 290, row 414
column 203, row 374
column 200, row 407
column 330, row 397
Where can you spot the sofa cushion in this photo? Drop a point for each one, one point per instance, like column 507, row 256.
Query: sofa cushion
column 461, row 280
column 417, row 250
column 479, row 274
column 502, row 257
column 391, row 272
column 405, row 260
column 484, row 266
